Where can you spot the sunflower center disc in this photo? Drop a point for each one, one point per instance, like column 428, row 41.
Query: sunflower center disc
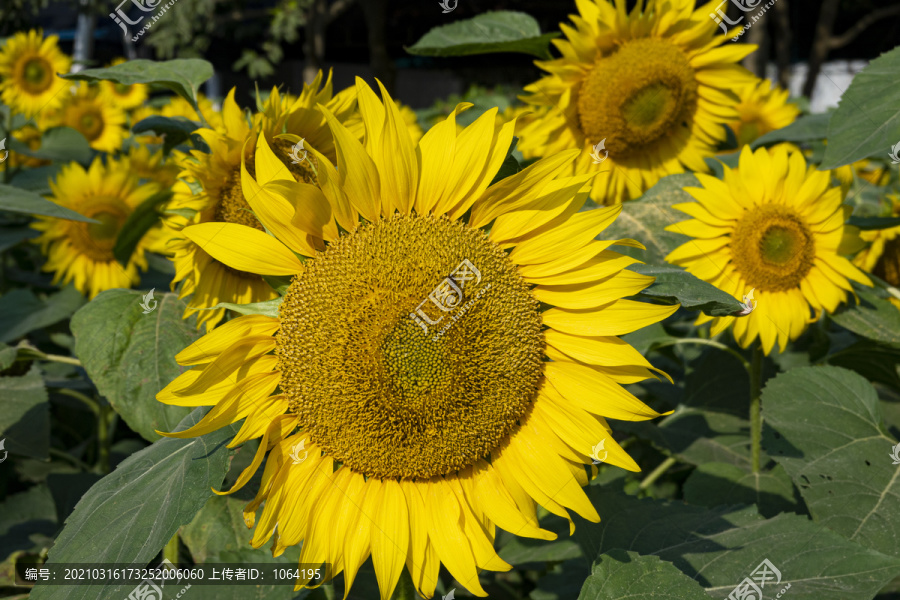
column 96, row 240
column 91, row 125
column 302, row 169
column 410, row 347
column 773, row 248
column 888, row 266
column 637, row 96
column 36, row 74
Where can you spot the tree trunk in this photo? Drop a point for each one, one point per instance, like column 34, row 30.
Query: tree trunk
column 756, row 62
column 314, row 41
column 376, row 19
column 783, row 42
column 83, row 48
column 821, row 44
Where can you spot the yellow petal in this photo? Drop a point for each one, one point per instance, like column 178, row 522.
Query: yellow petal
column 244, row 248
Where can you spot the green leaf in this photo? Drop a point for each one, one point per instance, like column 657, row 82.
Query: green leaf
column 60, row 144
column 130, row 514
column 619, row 574
column 137, row 225
column 805, row 129
column 871, row 223
column 519, row 550
column 37, row 179
column 12, row 237
column 719, row 484
column 873, row 318
column 867, row 120
column 22, row 312
column 876, row 362
column 646, row 218
column 496, row 31
column 827, row 431
column 181, row 75
column 23, row 515
column 25, row 417
column 176, row 129
column 676, row 286
column 18, row 200
column 720, row 547
column 268, row 308
column 130, row 356
column 7, row 356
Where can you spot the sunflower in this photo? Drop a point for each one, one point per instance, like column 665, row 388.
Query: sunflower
column 82, row 252
column 28, row 67
column 882, row 255
column 31, row 136
column 124, row 96
column 221, row 199
column 763, row 108
column 774, row 227
column 424, row 380
column 150, row 164
column 101, row 122
column 653, row 86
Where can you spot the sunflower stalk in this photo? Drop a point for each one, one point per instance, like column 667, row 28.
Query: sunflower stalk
column 406, row 589
column 755, row 414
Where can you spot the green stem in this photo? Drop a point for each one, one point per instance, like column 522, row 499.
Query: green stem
column 657, row 473
column 65, row 455
column 30, row 353
column 704, row 342
column 170, row 552
column 406, row 589
column 755, row 413
column 103, row 438
column 92, row 404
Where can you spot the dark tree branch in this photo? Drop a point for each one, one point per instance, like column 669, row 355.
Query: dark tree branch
column 783, row 42
column 820, row 47
column 848, row 36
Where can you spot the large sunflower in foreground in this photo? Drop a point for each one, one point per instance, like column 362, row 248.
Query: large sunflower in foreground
column 221, row 199
column 28, row 67
column 653, row 85
column 773, row 226
column 882, row 255
column 763, row 108
column 82, row 252
column 431, row 379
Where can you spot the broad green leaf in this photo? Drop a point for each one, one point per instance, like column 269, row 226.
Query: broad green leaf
column 25, row 414
column 19, row 200
column 130, row 514
column 23, row 515
column 36, row 180
column 130, row 356
column 268, row 308
column 177, row 130
column 562, row 580
column 805, row 129
column 646, row 218
column 720, row 484
column 218, row 534
column 518, row 550
column 22, row 312
column 648, row 337
column 61, row 144
column 867, row 120
column 873, row 318
column 137, row 225
column 876, row 362
column 181, row 75
column 7, row 356
column 11, row 237
column 676, row 286
column 722, row 546
column 827, row 431
column 872, row 223
column 496, row 31
column 67, row 489
column 619, row 574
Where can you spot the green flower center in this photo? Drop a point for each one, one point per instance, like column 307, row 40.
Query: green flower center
column 37, row 75
column 773, row 248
